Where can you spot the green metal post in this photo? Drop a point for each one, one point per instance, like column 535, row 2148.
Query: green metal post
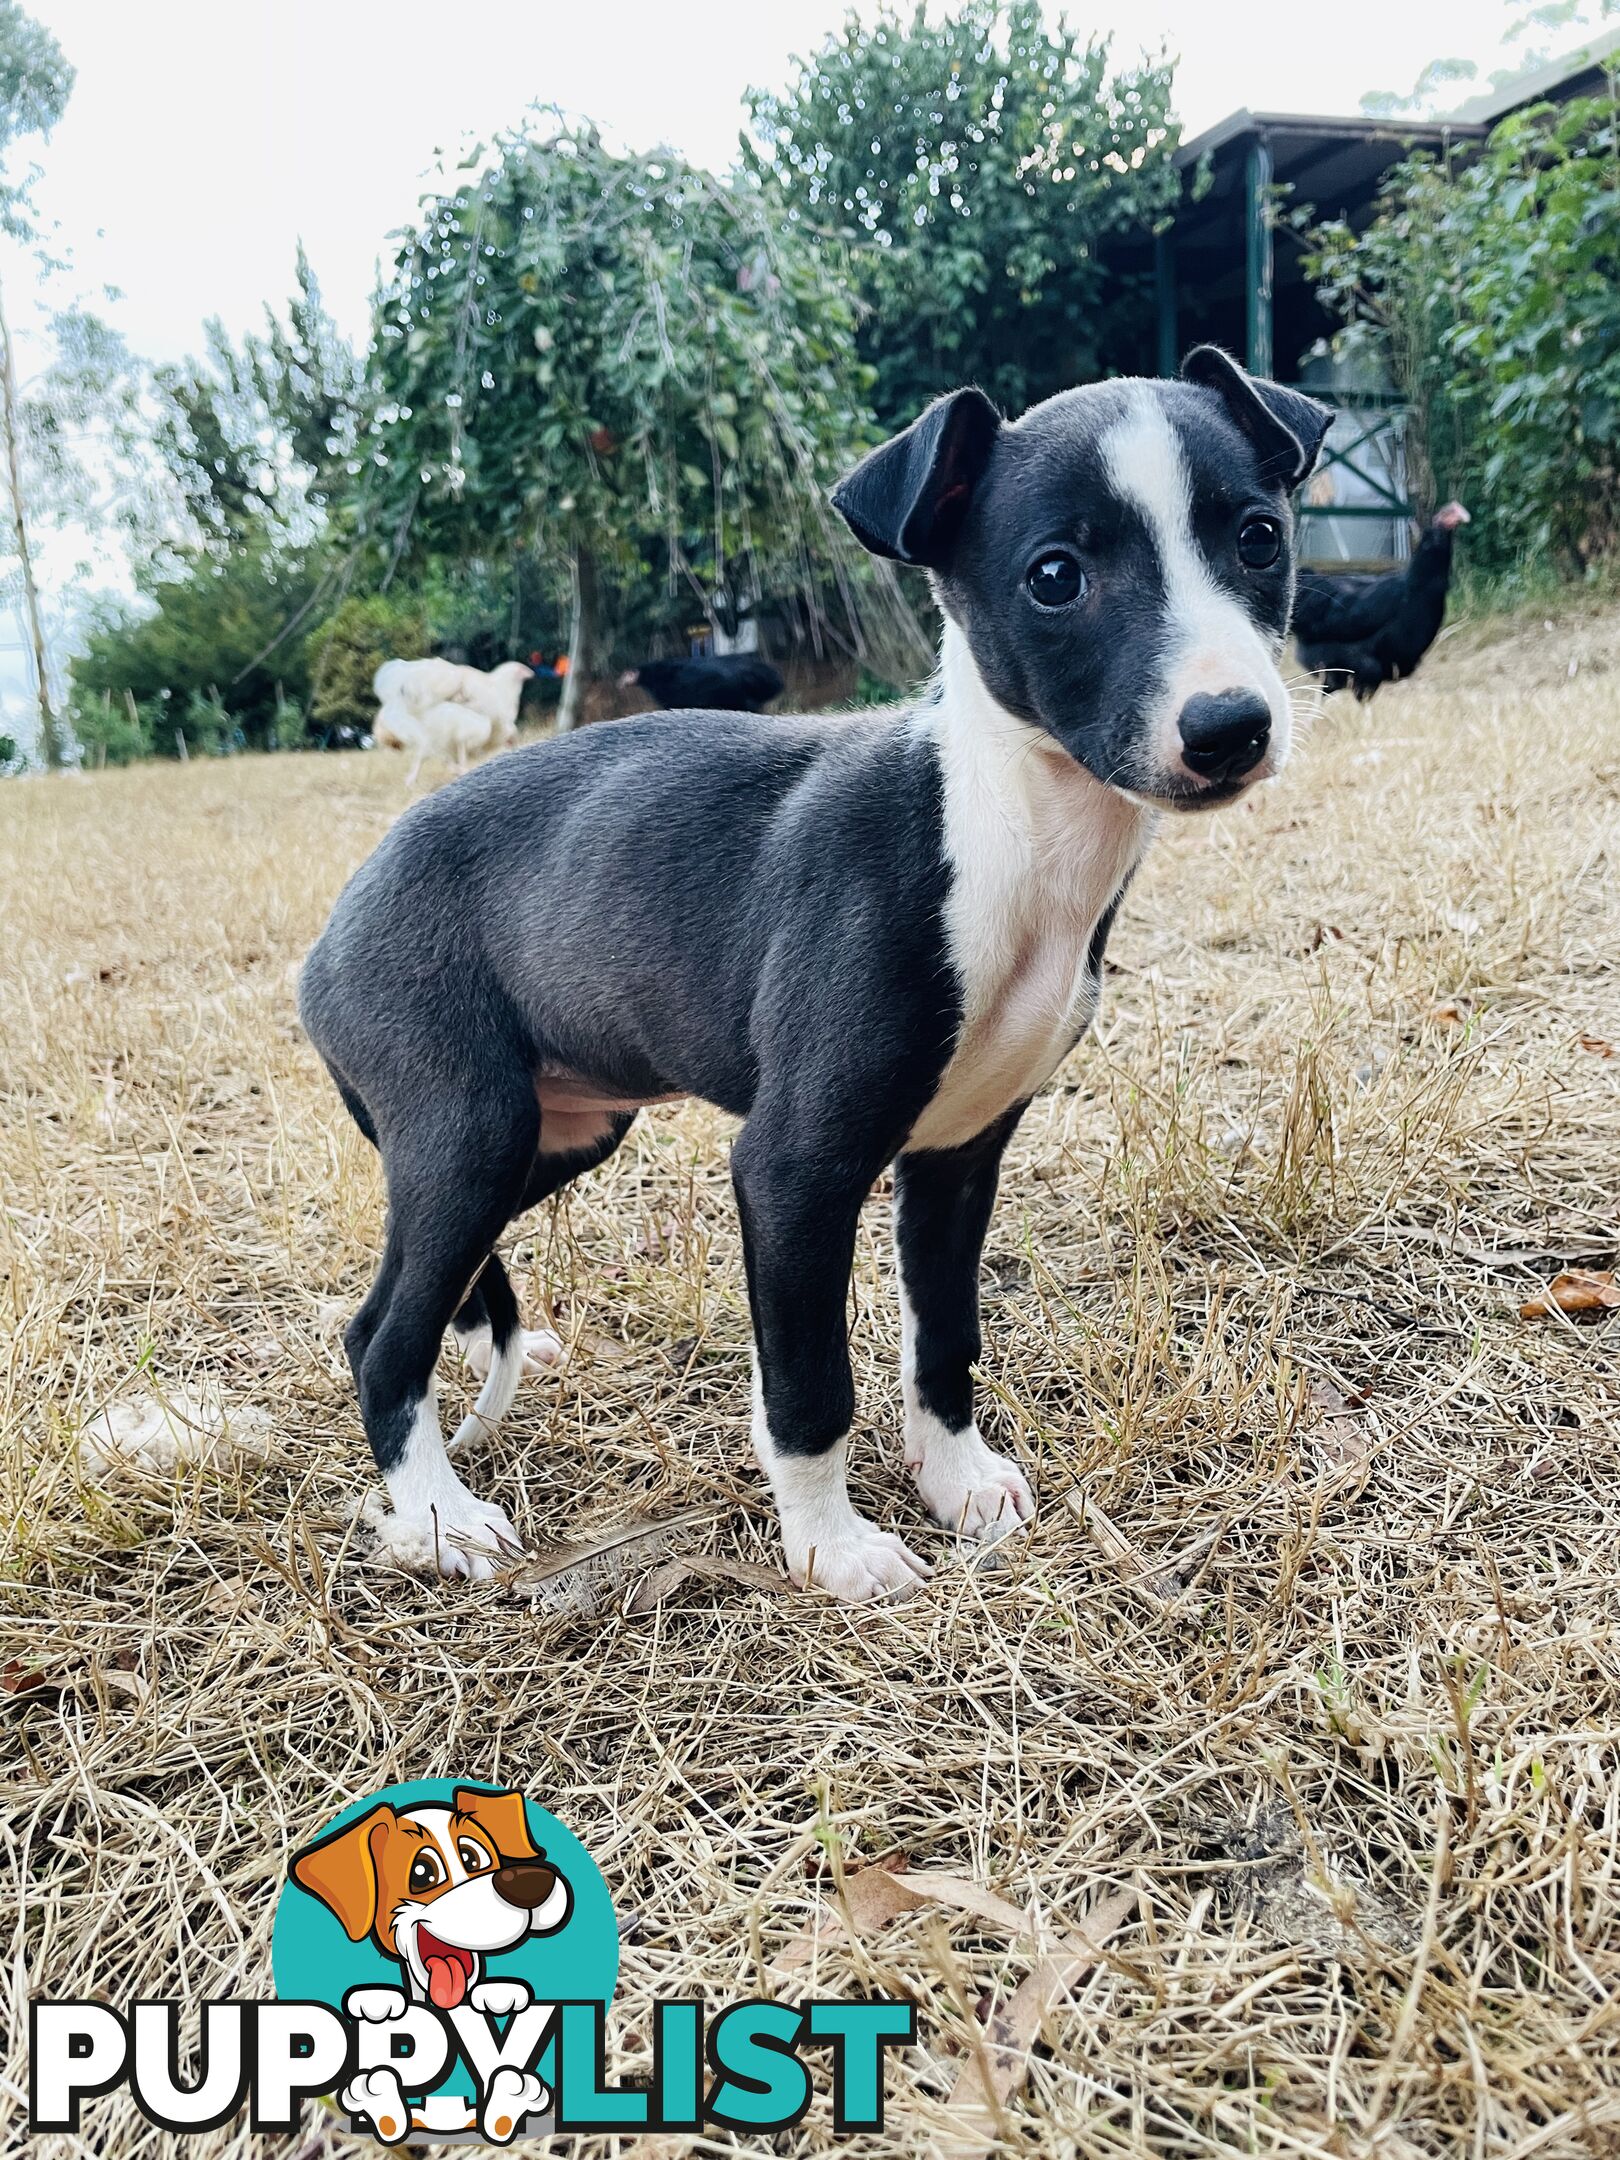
column 1164, row 286
column 1262, row 343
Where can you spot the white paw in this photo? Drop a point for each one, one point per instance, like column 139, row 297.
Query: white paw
column 376, row 2100
column 501, row 1998
column 512, row 2094
column 541, row 1351
column 860, row 1563
column 965, row 1485
column 376, row 2005
column 463, row 1536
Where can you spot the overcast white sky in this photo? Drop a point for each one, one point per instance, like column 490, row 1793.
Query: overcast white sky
column 205, row 136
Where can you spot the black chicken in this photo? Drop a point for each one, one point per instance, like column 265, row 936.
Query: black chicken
column 1367, row 631
column 723, row 682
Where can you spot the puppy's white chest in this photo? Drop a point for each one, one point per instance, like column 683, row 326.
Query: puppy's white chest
column 1029, row 993
column 1039, row 849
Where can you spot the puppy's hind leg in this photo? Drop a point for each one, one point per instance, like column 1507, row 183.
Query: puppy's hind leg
column 569, row 1146
column 485, row 1345
column 452, row 1187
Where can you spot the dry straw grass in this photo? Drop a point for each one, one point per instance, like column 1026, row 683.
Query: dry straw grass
column 1307, row 1678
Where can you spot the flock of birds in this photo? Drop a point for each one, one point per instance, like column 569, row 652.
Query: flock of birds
column 438, row 709
column 1353, row 632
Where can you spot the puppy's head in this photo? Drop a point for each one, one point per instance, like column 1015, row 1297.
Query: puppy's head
column 1120, row 562
column 438, row 1887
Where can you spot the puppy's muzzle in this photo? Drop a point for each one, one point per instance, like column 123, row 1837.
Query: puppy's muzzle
column 1224, row 736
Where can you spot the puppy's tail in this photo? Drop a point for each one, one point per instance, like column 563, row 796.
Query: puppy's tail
column 496, row 1395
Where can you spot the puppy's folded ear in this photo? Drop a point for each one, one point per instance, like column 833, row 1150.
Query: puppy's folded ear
column 906, row 499
column 502, row 1818
column 1286, row 427
column 341, row 1870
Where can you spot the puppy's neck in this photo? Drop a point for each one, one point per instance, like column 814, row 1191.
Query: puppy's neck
column 1001, row 772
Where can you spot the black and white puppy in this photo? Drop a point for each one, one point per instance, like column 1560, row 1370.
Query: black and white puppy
column 873, row 939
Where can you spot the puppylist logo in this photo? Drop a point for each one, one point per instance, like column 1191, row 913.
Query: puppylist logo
column 444, row 1956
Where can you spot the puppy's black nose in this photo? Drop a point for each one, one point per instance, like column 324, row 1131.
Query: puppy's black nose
column 524, row 1882
column 1224, row 736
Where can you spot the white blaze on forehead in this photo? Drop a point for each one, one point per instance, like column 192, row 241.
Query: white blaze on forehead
column 1211, row 642
column 436, row 1822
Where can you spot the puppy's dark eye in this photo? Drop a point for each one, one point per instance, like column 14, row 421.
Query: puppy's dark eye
column 1055, row 580
column 1259, row 543
column 425, row 1872
column 472, row 1857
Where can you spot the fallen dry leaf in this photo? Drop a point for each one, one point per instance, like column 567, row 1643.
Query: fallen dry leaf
column 18, row 1679
column 1453, row 1013
column 1577, row 1290
column 1597, row 1046
column 604, row 1349
column 120, row 1673
column 1574, row 1246
column 872, row 1897
column 878, row 1893
column 1342, row 1439
column 999, row 2063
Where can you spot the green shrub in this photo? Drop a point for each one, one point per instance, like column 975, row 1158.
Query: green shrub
column 114, row 731
column 1494, row 290
column 208, row 659
column 289, row 723
column 344, row 653
column 209, row 726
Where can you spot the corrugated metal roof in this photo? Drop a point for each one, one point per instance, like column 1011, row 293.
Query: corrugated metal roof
column 1322, row 127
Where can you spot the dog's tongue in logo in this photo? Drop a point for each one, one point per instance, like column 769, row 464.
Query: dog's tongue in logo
column 448, row 1969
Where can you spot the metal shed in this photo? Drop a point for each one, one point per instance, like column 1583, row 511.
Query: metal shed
column 1226, row 271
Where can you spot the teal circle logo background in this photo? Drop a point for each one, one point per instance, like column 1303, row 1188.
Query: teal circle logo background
column 313, row 1960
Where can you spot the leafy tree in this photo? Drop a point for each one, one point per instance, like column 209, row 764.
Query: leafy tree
column 35, row 84
column 36, row 81
column 975, row 166
column 621, row 370
column 256, row 440
column 259, row 436
column 1495, row 288
column 84, row 436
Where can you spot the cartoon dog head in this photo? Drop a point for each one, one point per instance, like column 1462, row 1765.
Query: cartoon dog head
column 438, row 1887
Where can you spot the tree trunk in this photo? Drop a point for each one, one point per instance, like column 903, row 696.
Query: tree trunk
column 50, row 735
column 581, row 642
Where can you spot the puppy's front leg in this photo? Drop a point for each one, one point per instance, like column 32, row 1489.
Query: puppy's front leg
column 942, row 1203
column 798, row 1220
